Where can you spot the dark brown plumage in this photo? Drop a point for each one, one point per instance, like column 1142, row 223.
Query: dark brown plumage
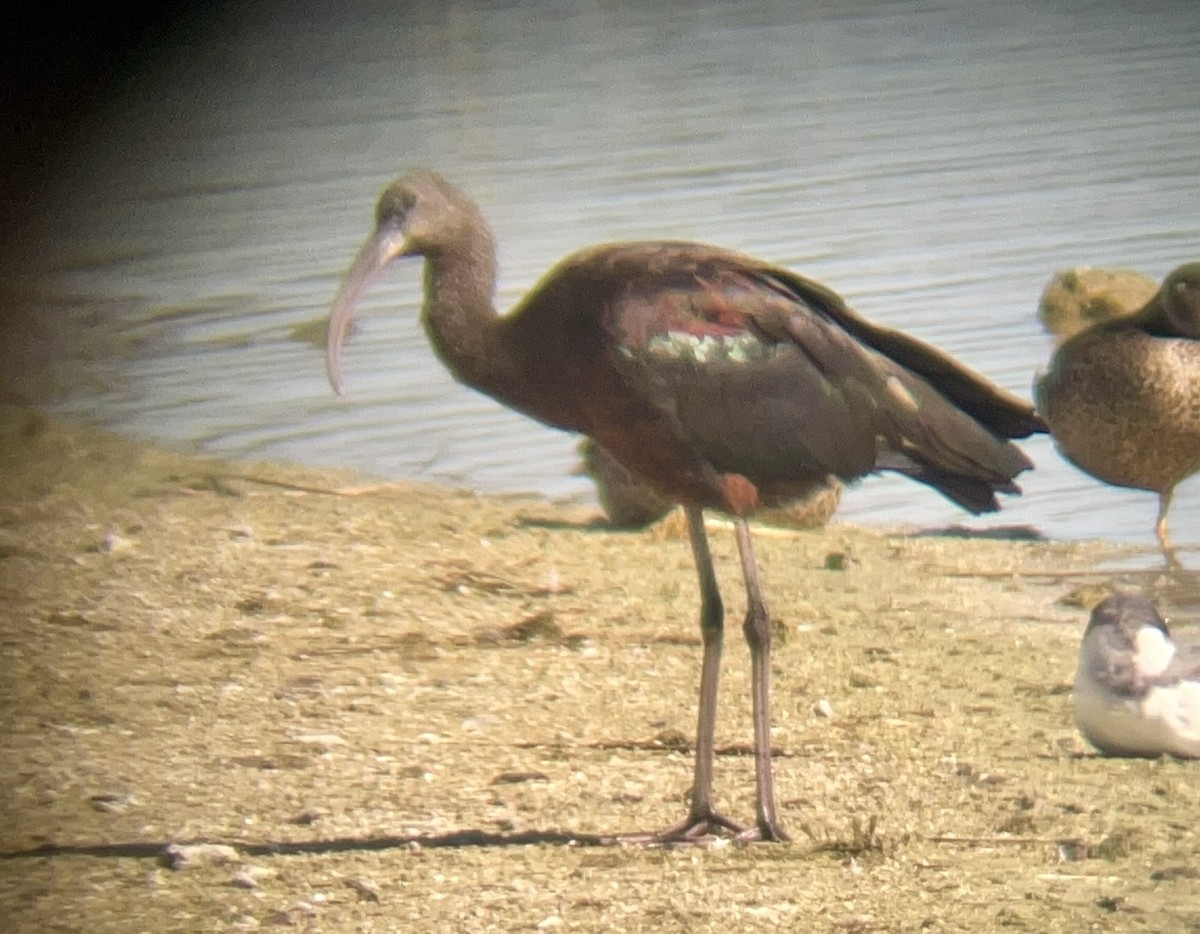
column 1122, row 397
column 722, row 381
column 631, row 503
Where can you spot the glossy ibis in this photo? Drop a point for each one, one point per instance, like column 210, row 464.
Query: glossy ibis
column 1122, row 398
column 723, row 381
column 1137, row 693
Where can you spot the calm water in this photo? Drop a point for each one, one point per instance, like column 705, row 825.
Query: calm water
column 933, row 162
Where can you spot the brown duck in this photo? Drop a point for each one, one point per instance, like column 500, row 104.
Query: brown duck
column 1122, row 398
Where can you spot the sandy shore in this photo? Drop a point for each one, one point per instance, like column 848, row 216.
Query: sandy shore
column 376, row 697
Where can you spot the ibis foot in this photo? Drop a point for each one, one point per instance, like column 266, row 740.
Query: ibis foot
column 704, row 828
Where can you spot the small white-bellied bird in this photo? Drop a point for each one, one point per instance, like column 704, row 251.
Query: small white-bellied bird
column 1137, row 693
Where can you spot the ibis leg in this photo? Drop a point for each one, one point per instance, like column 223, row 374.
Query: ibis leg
column 702, row 819
column 757, row 629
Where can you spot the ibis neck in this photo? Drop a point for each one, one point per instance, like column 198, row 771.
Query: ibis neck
column 459, row 315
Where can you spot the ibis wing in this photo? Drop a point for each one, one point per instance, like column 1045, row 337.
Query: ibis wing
column 1003, row 413
column 764, row 379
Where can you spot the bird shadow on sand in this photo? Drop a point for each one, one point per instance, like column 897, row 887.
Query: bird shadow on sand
column 168, row 852
column 456, row 839
column 598, row 523
column 1001, row 533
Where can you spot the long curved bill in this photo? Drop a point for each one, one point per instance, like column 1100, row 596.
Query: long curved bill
column 385, row 244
